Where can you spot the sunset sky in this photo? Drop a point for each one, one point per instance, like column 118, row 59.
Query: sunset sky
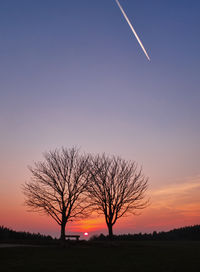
column 73, row 74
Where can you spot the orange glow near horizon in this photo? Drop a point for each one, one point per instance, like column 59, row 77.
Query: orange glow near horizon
column 171, row 207
column 90, row 224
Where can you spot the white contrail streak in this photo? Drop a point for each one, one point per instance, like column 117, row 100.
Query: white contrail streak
column 133, row 30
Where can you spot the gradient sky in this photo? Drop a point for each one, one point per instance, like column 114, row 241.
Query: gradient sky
column 73, row 74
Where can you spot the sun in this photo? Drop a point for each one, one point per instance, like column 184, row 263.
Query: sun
column 86, row 234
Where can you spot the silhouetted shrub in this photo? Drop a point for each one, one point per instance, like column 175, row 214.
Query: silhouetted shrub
column 8, row 234
column 185, row 233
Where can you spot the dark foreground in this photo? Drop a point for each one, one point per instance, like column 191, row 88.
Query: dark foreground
column 104, row 256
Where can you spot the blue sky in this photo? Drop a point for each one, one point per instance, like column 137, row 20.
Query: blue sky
column 72, row 73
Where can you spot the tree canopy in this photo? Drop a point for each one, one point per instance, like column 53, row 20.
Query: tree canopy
column 57, row 187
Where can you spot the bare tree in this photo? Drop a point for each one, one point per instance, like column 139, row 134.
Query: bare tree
column 117, row 188
column 58, row 185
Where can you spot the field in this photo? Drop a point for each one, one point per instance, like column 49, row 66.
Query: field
column 140, row 256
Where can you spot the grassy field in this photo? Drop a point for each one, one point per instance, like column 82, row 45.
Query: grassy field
column 117, row 256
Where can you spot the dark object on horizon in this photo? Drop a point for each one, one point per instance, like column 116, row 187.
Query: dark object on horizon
column 73, row 236
column 58, row 185
column 185, row 233
column 116, row 188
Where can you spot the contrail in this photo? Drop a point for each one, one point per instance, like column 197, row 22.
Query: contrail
column 133, row 30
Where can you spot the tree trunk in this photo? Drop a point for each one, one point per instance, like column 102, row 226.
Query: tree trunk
column 62, row 234
column 110, row 231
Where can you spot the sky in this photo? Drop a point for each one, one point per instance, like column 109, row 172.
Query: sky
column 73, row 74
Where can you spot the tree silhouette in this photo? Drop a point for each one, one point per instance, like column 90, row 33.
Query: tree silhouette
column 58, row 185
column 117, row 188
